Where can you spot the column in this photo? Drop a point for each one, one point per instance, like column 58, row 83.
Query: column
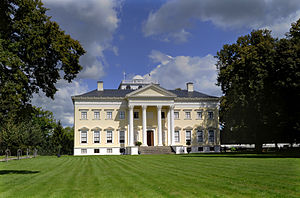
column 159, row 125
column 131, row 125
column 144, row 125
column 169, row 127
column 172, row 124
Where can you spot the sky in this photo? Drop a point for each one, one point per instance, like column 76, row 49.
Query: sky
column 172, row 42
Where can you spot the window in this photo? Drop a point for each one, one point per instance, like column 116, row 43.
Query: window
column 83, row 115
column 211, row 148
column 176, row 115
column 176, row 136
column 199, row 115
column 200, row 136
column 109, row 150
column 122, row 115
column 96, row 137
column 122, row 137
column 83, row 151
column 109, row 137
column 96, row 115
column 136, row 115
column 163, row 115
column 128, row 87
column 109, row 115
column 96, row 150
column 210, row 115
column 188, row 137
column 200, row 148
column 83, row 137
column 211, row 136
column 187, row 115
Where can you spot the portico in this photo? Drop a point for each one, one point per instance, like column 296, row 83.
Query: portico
column 158, row 134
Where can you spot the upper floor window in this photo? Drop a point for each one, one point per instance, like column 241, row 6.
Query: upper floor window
column 210, row 115
column 136, row 115
column 163, row 115
column 211, row 136
column 199, row 115
column 128, row 87
column 96, row 115
column 109, row 137
column 200, row 136
column 176, row 115
column 187, row 115
column 122, row 137
column 83, row 137
column 122, row 115
column 188, row 137
column 96, row 137
column 83, row 115
column 109, row 115
column 176, row 136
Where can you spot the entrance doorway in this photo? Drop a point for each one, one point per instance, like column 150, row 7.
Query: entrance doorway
column 150, row 138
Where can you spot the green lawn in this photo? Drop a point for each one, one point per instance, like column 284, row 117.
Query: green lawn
column 202, row 175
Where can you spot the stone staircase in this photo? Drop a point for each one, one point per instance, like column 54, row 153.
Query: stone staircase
column 147, row 150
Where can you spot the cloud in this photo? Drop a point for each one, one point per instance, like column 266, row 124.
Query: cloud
column 175, row 72
column 61, row 106
column 93, row 23
column 175, row 17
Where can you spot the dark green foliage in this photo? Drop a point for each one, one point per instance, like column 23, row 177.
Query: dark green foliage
column 34, row 51
column 260, row 78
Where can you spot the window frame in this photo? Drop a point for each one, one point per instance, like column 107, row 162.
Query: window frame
column 81, row 115
column 178, row 132
column 122, row 115
column 201, row 115
column 186, row 136
column 120, row 137
column 95, row 137
column 210, row 115
column 109, row 131
column 96, row 149
column 200, row 131
column 209, row 136
column 176, row 112
column 134, row 115
column 86, row 137
column 188, row 113
column 110, row 150
column 95, row 113
column 107, row 115
column 83, row 149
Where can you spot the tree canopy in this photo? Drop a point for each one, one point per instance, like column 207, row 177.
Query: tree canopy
column 260, row 78
column 34, row 54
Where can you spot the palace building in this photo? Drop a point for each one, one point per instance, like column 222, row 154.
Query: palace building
column 143, row 117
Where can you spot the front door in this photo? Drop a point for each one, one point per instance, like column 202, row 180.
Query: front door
column 150, row 138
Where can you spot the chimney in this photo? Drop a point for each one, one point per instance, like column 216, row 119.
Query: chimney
column 190, row 86
column 100, row 86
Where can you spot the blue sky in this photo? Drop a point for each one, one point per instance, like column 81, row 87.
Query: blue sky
column 174, row 41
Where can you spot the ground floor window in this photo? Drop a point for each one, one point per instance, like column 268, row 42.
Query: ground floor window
column 176, row 136
column 96, row 150
column 109, row 137
column 83, row 137
column 211, row 136
column 109, row 150
column 188, row 137
column 212, row 148
column 96, row 137
column 200, row 148
column 122, row 137
column 200, row 136
column 83, row 151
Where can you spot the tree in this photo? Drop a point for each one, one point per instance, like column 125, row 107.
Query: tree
column 34, row 54
column 259, row 77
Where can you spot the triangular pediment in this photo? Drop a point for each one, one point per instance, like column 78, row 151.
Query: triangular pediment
column 151, row 90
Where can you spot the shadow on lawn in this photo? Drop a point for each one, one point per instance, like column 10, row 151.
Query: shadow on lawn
column 246, row 155
column 4, row 172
